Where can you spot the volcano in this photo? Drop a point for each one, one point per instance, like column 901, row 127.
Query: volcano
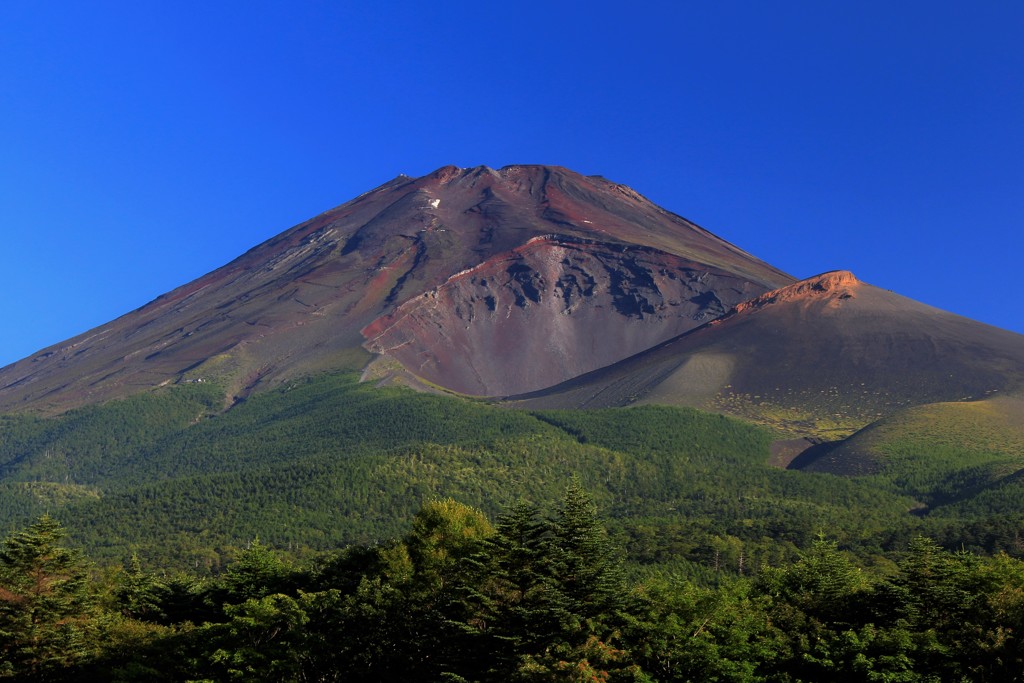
column 545, row 286
column 478, row 281
column 823, row 357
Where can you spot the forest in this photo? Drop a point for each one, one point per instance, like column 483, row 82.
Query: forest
column 326, row 462
column 331, row 530
column 537, row 594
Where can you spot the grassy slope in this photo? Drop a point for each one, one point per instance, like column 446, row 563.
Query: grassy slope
column 939, row 453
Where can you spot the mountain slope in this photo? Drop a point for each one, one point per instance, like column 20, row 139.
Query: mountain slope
column 296, row 304
column 553, row 308
column 927, row 442
column 327, row 460
column 560, row 290
column 821, row 357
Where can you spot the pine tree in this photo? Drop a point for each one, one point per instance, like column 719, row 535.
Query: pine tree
column 587, row 592
column 520, row 609
column 256, row 573
column 588, row 565
column 44, row 602
column 139, row 593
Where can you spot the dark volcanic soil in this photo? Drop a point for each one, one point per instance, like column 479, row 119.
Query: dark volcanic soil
column 297, row 303
column 821, row 357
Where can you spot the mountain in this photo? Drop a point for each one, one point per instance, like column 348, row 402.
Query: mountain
column 479, row 281
column 232, row 407
column 821, row 357
column 536, row 283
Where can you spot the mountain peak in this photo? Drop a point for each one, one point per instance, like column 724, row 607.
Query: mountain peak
column 529, row 261
column 508, row 173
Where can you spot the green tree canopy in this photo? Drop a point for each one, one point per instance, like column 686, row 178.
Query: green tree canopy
column 44, row 602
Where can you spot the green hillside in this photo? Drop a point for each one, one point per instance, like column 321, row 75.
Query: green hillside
column 325, row 462
column 332, row 528
column 940, row 453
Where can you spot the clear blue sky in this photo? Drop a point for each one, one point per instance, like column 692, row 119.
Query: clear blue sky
column 143, row 144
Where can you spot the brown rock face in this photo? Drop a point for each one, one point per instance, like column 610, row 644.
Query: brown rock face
column 555, row 307
column 609, row 272
column 831, row 288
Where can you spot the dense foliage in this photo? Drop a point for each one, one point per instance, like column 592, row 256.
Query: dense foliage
column 533, row 597
column 325, row 462
column 311, row 533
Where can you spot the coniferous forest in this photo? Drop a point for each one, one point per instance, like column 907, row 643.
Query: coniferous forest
column 330, row 530
column 535, row 595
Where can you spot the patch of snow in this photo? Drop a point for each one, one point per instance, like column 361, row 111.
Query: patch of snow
column 434, row 203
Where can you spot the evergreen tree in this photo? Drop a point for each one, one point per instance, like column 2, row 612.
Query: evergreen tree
column 585, row 592
column 938, row 600
column 256, row 573
column 139, row 593
column 679, row 631
column 519, row 608
column 44, row 603
column 261, row 641
column 823, row 583
column 588, row 566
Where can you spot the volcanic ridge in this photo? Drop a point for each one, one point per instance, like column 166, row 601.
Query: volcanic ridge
column 822, row 357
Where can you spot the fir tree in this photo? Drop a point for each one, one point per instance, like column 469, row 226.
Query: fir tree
column 520, row 608
column 44, row 602
column 588, row 565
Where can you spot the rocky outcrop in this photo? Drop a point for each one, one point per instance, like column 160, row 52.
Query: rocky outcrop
column 549, row 310
column 833, row 287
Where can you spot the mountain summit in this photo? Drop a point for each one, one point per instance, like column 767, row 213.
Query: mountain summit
column 481, row 281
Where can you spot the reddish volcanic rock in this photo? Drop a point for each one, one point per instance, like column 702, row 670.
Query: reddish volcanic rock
column 831, row 287
column 296, row 303
column 549, row 310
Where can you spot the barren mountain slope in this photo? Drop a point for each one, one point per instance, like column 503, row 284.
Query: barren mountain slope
column 297, row 303
column 821, row 357
column 553, row 308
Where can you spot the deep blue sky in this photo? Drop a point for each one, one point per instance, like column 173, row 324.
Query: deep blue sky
column 143, row 144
